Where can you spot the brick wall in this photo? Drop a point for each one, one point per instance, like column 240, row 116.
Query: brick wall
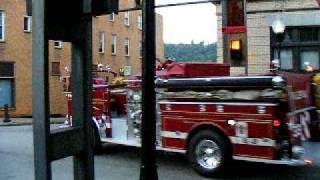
column 259, row 30
column 18, row 48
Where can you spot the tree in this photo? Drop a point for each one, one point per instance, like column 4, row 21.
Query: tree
column 192, row 52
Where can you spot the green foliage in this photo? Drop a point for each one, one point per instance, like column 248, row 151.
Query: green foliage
column 191, row 52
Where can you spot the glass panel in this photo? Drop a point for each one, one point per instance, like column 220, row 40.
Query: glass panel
column 286, row 59
column 288, row 36
column 101, row 42
column 5, row 93
column 1, row 32
column 126, row 47
column 55, row 68
column 26, row 25
column 309, row 34
column 1, row 18
column 113, row 44
column 309, row 57
column 6, row 69
column 235, row 13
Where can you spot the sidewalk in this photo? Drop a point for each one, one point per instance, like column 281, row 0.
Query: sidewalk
column 28, row 121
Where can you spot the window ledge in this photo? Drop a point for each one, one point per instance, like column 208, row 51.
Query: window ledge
column 10, row 108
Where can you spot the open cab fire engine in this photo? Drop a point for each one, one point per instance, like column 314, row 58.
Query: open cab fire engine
column 210, row 116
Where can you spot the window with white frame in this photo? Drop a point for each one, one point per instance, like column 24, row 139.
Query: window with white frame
column 139, row 22
column 58, row 44
column 114, row 44
column 127, row 18
column 27, row 23
column 2, row 25
column 127, row 47
column 101, row 42
column 112, row 17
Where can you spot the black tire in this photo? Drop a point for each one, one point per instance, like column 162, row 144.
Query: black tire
column 211, row 139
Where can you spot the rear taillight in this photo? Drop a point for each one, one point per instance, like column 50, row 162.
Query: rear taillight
column 276, row 123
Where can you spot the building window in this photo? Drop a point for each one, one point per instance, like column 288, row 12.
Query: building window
column 58, row 44
column 127, row 47
column 114, row 44
column 27, row 24
column 101, row 42
column 300, row 47
column 140, row 22
column 55, row 69
column 127, row 18
column 2, row 25
column 7, row 82
column 112, row 17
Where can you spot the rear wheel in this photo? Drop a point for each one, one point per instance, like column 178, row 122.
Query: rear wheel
column 208, row 153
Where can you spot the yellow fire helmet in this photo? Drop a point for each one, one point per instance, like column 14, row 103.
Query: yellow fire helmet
column 316, row 78
column 118, row 80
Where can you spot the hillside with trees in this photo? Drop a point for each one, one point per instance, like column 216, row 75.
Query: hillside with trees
column 192, row 51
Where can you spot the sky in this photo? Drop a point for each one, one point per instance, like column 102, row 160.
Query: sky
column 183, row 24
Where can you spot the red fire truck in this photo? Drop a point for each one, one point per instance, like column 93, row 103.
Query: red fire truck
column 212, row 117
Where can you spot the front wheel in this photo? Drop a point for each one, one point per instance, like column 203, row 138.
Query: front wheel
column 208, row 153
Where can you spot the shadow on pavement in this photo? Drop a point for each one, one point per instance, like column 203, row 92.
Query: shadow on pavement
column 236, row 170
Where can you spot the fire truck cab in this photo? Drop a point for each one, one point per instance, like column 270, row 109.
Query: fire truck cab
column 210, row 116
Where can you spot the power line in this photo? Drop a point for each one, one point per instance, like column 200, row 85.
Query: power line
column 172, row 5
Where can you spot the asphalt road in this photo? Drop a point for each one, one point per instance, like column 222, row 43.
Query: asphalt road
column 122, row 163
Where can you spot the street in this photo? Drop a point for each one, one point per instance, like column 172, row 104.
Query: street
column 16, row 163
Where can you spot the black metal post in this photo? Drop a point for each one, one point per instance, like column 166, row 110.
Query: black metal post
column 279, row 51
column 280, row 38
column 82, row 99
column 40, row 93
column 148, row 170
column 6, row 114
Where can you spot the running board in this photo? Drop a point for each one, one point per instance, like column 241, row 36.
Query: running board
column 291, row 162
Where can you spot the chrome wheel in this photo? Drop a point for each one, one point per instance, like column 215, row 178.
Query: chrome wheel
column 208, row 154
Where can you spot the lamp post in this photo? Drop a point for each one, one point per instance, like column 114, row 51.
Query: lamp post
column 278, row 28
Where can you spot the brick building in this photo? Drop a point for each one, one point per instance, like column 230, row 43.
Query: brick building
column 302, row 35
column 116, row 42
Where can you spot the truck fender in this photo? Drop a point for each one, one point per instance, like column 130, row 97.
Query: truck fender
column 208, row 125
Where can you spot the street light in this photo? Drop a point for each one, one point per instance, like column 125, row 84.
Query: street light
column 278, row 28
